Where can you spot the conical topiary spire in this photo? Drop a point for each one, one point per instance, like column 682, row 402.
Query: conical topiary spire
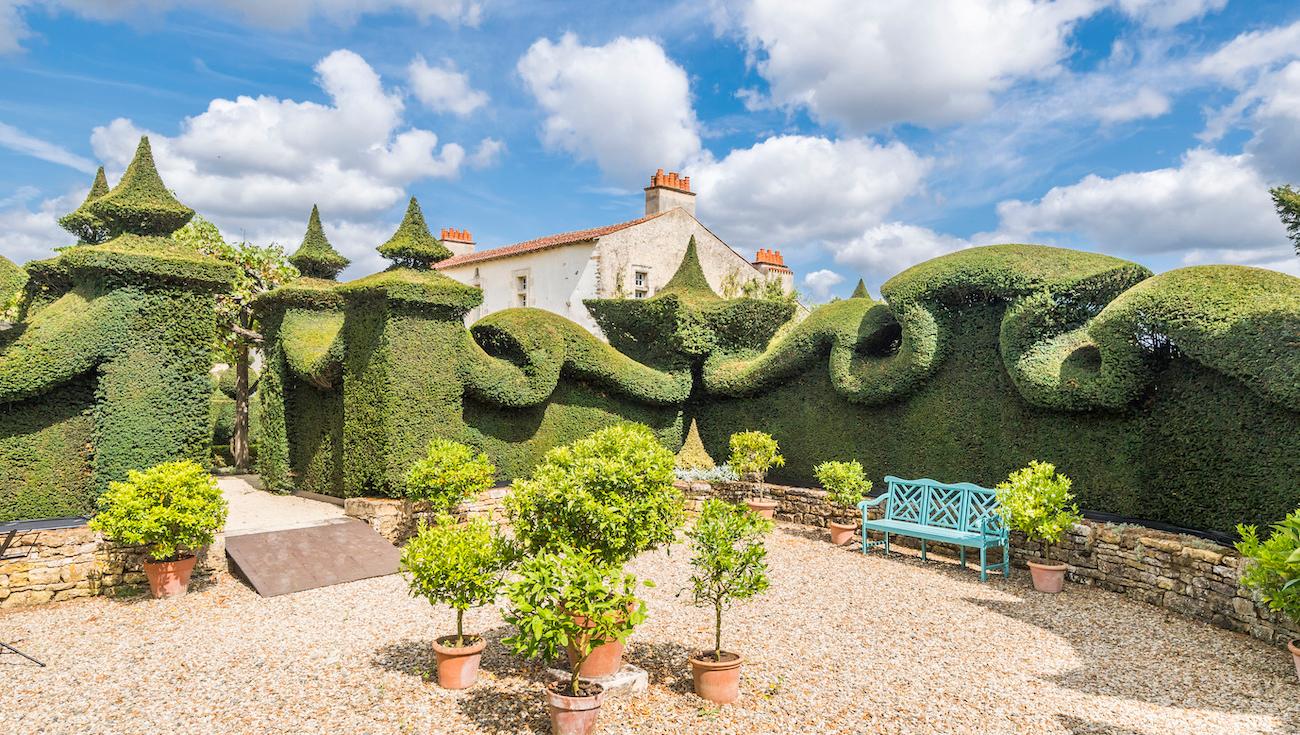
column 140, row 204
column 689, row 282
column 85, row 225
column 861, row 291
column 413, row 246
column 693, row 455
column 315, row 257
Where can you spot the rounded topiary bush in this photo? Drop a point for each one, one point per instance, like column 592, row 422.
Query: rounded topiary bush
column 449, row 474
column 610, row 493
column 171, row 509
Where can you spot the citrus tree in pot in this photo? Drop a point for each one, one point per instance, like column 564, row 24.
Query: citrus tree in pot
column 846, row 485
column 610, row 495
column 1036, row 501
column 463, row 566
column 730, row 563
column 753, row 453
column 567, row 599
column 172, row 509
column 1274, row 570
column 448, row 474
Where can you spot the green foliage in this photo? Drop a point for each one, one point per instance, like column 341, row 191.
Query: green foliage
column 610, row 493
column 140, row 204
column 754, row 453
column 45, row 455
column 564, row 597
column 860, row 291
column 692, row 455
column 729, row 558
column 1274, row 569
column 315, row 257
column 172, row 509
column 1037, row 502
column 1287, row 202
column 460, row 565
column 413, row 246
column 845, row 482
column 688, row 281
column 84, row 224
column 449, row 474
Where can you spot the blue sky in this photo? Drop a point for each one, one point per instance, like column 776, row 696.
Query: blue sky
column 857, row 138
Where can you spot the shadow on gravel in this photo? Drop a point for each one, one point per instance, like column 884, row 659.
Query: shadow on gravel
column 505, row 712
column 665, row 662
column 414, row 657
column 804, row 532
column 1080, row 726
column 1175, row 667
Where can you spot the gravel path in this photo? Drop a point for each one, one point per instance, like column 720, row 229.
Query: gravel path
column 840, row 644
column 253, row 510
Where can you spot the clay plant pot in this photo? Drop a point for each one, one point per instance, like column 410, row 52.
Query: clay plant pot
column 842, row 533
column 762, row 506
column 716, row 681
column 1048, row 576
column 458, row 666
column 1295, row 653
column 574, row 715
column 169, row 578
column 603, row 661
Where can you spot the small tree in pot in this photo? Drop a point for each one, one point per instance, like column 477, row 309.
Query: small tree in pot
column 730, row 564
column 448, row 474
column 1274, row 570
column 172, row 509
column 462, row 566
column 846, row 485
column 1037, row 502
column 753, row 453
column 569, row 599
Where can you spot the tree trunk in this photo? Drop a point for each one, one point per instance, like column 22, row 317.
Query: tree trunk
column 239, row 433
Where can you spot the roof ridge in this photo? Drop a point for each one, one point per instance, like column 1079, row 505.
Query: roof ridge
column 546, row 241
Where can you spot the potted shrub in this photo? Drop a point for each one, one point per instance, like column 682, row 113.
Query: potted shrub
column 568, row 599
column 448, row 474
column 463, row 566
column 729, row 559
column 610, row 495
column 753, row 453
column 1274, row 570
column 172, row 509
column 1037, row 502
column 846, row 485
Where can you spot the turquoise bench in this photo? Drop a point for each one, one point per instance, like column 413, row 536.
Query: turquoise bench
column 962, row 514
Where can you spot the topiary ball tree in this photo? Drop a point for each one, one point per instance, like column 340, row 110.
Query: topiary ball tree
column 753, row 453
column 610, row 493
column 1036, row 501
column 449, row 474
column 171, row 509
column 729, row 559
column 455, row 564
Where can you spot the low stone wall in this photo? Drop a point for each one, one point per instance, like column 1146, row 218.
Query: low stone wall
column 1186, row 574
column 68, row 563
column 397, row 520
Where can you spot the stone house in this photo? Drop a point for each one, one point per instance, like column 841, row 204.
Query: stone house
column 630, row 259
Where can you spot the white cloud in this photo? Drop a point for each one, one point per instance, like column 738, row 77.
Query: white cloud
column 819, row 283
column 444, row 89
column 276, row 13
column 1209, row 202
column 1145, row 104
column 27, row 232
column 792, row 189
column 869, row 65
column 887, row 249
column 624, row 105
column 489, row 151
column 1252, row 50
column 16, row 140
column 1275, row 120
column 1169, row 13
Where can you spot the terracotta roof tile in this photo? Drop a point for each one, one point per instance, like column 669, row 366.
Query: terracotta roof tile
column 542, row 243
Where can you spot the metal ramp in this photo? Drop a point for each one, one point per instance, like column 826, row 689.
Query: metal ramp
column 289, row 560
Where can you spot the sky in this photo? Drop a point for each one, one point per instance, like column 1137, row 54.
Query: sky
column 858, row 138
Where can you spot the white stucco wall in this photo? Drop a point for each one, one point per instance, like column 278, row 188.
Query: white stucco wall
column 558, row 279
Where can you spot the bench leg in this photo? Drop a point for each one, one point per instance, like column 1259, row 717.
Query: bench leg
column 922, row 549
column 984, row 564
column 1006, row 562
column 886, row 543
column 963, row 557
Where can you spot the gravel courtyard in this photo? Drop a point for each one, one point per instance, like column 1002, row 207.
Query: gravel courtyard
column 841, row 643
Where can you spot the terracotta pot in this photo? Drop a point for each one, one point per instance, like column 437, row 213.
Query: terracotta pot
column 1295, row 653
column 762, row 506
column 842, row 533
column 1048, row 577
column 604, row 660
column 573, row 715
column 458, row 667
column 716, row 681
column 169, row 578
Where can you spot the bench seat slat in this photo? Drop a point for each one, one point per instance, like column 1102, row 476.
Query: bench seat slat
column 932, row 533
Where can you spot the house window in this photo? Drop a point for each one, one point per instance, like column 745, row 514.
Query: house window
column 640, row 284
column 521, row 289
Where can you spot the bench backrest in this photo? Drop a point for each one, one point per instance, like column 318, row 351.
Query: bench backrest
column 960, row 506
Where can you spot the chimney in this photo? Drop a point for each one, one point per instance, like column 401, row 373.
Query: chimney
column 668, row 190
column 772, row 265
column 457, row 241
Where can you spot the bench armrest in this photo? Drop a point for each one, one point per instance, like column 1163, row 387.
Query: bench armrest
column 993, row 526
column 872, row 502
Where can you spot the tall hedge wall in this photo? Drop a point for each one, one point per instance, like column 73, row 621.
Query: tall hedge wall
column 1173, row 398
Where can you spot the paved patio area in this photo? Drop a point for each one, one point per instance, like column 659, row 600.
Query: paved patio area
column 841, row 644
